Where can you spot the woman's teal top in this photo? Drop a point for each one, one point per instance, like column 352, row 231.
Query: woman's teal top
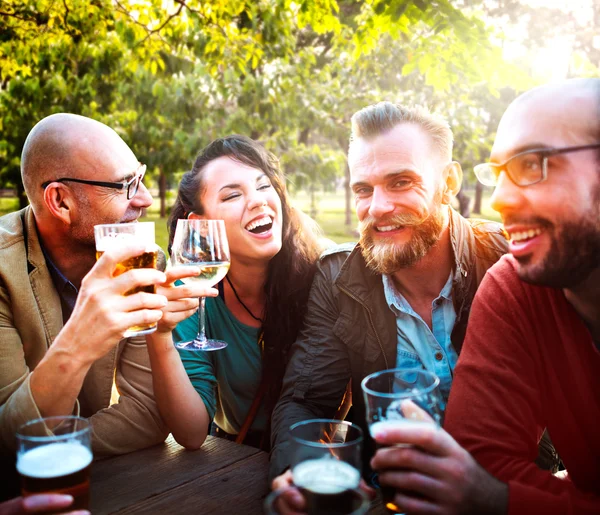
column 226, row 379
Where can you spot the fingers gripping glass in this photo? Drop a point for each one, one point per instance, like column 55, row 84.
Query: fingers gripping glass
column 132, row 185
column 202, row 244
column 112, row 236
column 525, row 168
column 400, row 398
column 325, row 458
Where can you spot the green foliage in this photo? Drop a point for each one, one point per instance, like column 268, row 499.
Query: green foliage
column 171, row 76
column 8, row 205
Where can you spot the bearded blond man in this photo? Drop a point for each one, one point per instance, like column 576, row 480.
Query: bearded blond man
column 400, row 298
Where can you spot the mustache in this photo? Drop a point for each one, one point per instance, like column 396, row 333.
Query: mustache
column 131, row 215
column 404, row 219
column 530, row 220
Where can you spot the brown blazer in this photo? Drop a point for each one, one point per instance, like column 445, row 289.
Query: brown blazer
column 30, row 319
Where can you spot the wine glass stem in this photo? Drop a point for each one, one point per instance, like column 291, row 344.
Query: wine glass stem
column 201, row 337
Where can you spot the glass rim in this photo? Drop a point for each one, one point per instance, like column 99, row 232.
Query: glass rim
column 124, row 224
column 333, row 445
column 363, row 508
column 52, row 436
column 199, row 220
column 399, row 395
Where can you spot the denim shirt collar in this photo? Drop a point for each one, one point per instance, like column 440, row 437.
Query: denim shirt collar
column 396, row 300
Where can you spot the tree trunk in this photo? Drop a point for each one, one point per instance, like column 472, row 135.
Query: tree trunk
column 478, row 197
column 464, row 203
column 162, row 191
column 313, row 202
column 303, row 137
column 348, row 197
column 343, row 143
column 23, row 200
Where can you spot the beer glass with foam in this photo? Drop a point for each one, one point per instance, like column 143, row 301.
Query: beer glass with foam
column 399, row 397
column 110, row 236
column 54, row 455
column 326, row 463
column 277, row 502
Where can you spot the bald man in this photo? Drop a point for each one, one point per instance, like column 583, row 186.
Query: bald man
column 61, row 325
column 531, row 357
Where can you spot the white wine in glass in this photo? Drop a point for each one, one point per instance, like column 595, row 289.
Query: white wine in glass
column 210, row 274
column 202, row 244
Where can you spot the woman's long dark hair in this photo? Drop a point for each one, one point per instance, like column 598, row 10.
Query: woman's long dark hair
column 290, row 271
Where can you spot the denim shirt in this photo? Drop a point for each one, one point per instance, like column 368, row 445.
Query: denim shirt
column 418, row 345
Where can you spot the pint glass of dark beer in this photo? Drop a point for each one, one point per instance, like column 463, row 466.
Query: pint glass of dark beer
column 277, row 502
column 110, row 236
column 399, row 397
column 326, row 463
column 54, row 455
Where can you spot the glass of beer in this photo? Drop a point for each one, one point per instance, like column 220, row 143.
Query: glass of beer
column 326, row 463
column 277, row 503
column 54, row 455
column 202, row 244
column 110, row 236
column 400, row 397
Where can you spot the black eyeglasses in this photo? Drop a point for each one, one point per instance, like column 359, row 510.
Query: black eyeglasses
column 132, row 185
column 525, row 168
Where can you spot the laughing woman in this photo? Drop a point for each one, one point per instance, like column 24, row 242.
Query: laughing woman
column 259, row 307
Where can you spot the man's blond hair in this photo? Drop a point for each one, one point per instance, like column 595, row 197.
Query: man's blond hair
column 377, row 119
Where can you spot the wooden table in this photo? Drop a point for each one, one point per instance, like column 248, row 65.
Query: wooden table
column 221, row 477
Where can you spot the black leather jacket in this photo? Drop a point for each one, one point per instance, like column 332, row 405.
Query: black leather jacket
column 350, row 332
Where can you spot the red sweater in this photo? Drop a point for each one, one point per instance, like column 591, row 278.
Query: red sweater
column 529, row 362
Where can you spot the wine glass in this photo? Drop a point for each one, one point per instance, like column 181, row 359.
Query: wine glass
column 400, row 397
column 203, row 244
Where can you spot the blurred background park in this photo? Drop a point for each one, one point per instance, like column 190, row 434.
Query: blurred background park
column 171, row 75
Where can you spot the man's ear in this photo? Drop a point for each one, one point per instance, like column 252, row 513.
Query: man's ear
column 195, row 216
column 453, row 175
column 60, row 202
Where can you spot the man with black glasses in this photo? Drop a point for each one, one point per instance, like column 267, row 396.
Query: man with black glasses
column 531, row 357
column 77, row 173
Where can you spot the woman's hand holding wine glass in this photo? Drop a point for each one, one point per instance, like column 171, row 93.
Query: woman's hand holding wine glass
column 183, row 299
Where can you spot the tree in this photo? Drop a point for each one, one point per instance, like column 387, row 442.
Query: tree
column 52, row 60
column 171, row 77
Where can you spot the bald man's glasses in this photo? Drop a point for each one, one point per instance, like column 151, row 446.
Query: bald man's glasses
column 132, row 185
column 525, row 168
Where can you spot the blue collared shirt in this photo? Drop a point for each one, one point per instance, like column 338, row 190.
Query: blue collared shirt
column 418, row 345
column 65, row 288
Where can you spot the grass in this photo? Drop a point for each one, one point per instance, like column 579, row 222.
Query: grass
column 8, row 205
column 330, row 215
column 486, row 210
column 160, row 228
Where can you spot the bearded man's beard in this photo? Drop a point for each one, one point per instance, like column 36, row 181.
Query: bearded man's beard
column 574, row 250
column 385, row 256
